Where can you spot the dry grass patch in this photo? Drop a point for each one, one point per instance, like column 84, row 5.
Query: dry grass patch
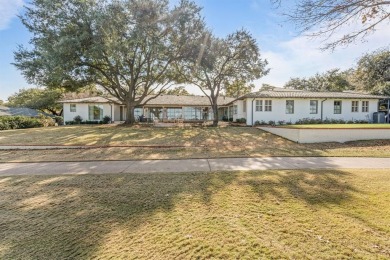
column 196, row 142
column 263, row 214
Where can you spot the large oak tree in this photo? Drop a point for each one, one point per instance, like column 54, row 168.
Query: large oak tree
column 125, row 46
column 220, row 60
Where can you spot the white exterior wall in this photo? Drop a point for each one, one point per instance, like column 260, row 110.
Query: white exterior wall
column 302, row 110
column 240, row 110
column 328, row 135
column 82, row 110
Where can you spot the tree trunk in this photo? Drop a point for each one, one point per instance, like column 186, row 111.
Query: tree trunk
column 215, row 112
column 130, row 119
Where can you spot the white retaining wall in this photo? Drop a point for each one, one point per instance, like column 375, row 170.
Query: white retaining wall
column 328, row 135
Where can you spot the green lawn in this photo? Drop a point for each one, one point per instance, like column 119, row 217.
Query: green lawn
column 122, row 143
column 342, row 126
column 294, row 214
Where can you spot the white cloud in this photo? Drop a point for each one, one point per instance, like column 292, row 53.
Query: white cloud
column 301, row 57
column 8, row 10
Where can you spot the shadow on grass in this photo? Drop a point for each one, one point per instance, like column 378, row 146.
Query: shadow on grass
column 65, row 217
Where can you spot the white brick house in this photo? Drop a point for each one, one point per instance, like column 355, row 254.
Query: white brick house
column 291, row 105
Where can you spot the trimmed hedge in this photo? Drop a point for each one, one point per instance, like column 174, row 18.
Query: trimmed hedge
column 21, row 122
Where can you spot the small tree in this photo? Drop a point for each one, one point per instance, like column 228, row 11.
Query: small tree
column 45, row 100
column 237, row 57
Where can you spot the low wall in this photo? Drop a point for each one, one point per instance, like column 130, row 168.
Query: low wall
column 323, row 135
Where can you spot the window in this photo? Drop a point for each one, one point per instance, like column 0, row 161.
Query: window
column 313, row 106
column 289, row 106
column 337, row 107
column 355, row 106
column 268, row 105
column 174, row 112
column 72, row 107
column 259, row 105
column 244, row 108
column 364, row 106
column 235, row 109
column 192, row 113
column 95, row 112
column 138, row 111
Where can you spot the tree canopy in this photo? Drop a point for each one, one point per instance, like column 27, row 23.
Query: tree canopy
column 127, row 47
column 45, row 100
column 373, row 72
column 238, row 88
column 220, row 60
column 331, row 80
column 180, row 90
column 354, row 19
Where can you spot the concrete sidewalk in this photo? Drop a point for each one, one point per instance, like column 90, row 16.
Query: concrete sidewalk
column 193, row 165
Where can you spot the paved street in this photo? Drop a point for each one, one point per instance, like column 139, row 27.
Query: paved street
column 192, row 165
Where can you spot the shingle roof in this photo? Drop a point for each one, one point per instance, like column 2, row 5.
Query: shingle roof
column 162, row 100
column 292, row 93
column 91, row 100
column 18, row 111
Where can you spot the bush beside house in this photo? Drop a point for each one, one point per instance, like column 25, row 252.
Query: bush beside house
column 20, row 122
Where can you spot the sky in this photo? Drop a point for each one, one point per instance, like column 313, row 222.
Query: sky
column 288, row 53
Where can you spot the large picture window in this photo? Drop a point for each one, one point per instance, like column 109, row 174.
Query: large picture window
column 337, row 107
column 313, row 106
column 259, row 105
column 174, row 112
column 289, row 106
column 95, row 112
column 192, row 113
column 268, row 105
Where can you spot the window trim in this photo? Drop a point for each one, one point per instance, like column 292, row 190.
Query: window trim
column 72, row 108
column 287, row 108
column 354, row 108
column 268, row 105
column 259, row 106
column 365, row 108
column 334, row 107
column 316, row 107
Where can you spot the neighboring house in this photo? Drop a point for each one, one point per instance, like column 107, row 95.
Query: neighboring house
column 291, row 105
column 18, row 111
column 164, row 107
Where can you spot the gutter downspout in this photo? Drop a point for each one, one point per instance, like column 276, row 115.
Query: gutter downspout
column 111, row 113
column 252, row 110
column 322, row 108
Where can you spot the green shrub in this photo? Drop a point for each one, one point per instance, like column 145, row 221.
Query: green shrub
column 19, row 122
column 271, row 122
column 241, row 120
column 78, row 119
column 106, row 119
column 59, row 120
column 262, row 122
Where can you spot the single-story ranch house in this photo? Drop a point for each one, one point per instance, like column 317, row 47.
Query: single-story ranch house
column 275, row 105
column 164, row 107
column 290, row 105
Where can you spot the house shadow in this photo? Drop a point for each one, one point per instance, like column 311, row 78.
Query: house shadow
column 69, row 216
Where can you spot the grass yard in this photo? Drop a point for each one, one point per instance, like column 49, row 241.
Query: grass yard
column 295, row 214
column 341, row 126
column 196, row 142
